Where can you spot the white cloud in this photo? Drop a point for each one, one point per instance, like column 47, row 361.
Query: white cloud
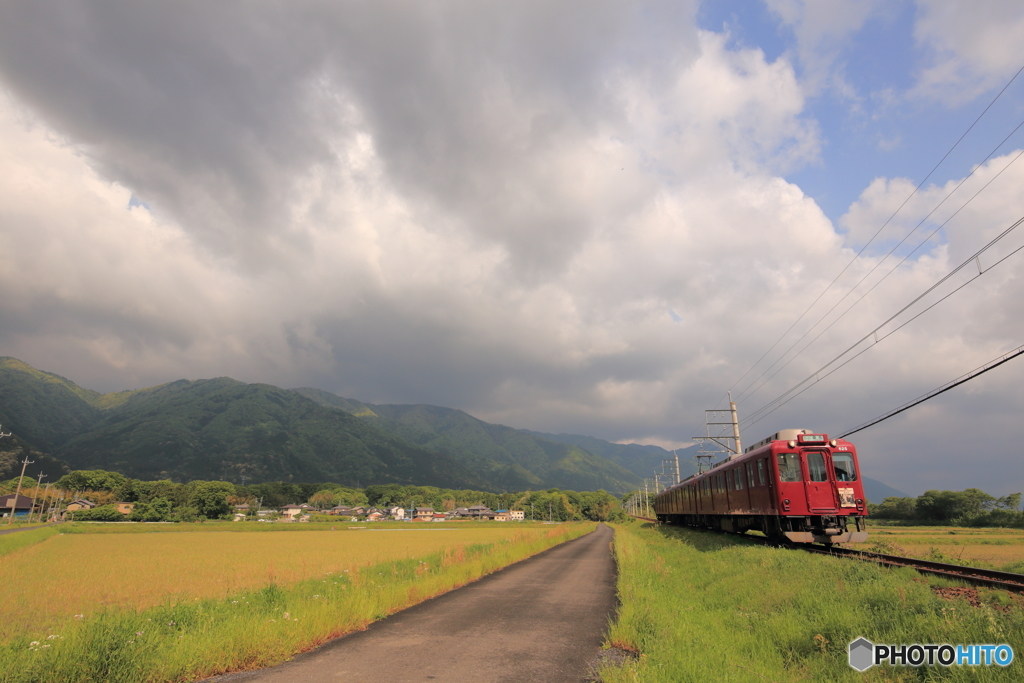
column 973, row 46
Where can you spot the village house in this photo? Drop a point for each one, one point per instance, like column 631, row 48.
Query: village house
column 501, row 516
column 340, row 510
column 292, row 511
column 481, row 512
column 124, row 508
column 22, row 504
column 440, row 517
column 423, row 514
column 80, row 504
column 397, row 512
column 516, row 515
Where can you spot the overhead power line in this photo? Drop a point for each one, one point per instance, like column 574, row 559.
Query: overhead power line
column 868, row 243
column 891, row 270
column 817, row 376
column 991, row 365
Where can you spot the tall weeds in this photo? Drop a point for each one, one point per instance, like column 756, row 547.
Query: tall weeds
column 703, row 607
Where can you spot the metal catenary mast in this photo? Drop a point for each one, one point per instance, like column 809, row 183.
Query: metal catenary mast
column 716, row 437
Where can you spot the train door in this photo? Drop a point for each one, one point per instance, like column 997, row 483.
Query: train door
column 820, row 493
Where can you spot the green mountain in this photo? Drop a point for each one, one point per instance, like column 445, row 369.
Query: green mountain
column 640, row 459
column 42, row 408
column 517, row 458
column 225, row 429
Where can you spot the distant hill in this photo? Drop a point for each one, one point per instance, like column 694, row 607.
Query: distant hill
column 876, row 491
column 519, row 459
column 642, row 460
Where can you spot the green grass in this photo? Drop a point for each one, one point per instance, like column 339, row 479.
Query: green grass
column 22, row 539
column 188, row 640
column 704, row 607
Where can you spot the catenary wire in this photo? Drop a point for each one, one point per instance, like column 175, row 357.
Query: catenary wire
column 891, row 270
column 991, row 365
column 868, row 243
column 778, row 402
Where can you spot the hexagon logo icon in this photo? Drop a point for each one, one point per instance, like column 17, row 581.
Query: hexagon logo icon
column 862, row 654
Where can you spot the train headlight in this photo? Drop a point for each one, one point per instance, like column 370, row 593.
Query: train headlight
column 832, row 443
column 792, row 444
column 860, row 502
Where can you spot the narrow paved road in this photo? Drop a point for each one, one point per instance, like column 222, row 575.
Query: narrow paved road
column 542, row 620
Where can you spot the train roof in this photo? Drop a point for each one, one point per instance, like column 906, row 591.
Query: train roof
column 781, row 435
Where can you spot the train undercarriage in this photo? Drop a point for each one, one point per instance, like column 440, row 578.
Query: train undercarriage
column 827, row 529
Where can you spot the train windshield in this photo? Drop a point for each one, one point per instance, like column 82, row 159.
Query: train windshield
column 789, row 467
column 842, row 463
column 816, row 467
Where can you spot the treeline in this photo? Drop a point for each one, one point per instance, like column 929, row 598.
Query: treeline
column 166, row 500
column 970, row 507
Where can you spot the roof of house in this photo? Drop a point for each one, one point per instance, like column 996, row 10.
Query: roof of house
column 22, row 502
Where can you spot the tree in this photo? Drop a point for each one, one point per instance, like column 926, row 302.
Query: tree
column 210, row 498
column 1010, row 502
column 895, row 508
column 91, row 480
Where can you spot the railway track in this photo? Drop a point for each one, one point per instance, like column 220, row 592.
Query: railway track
column 974, row 575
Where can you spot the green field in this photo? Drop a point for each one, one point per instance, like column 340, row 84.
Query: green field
column 990, row 548
column 708, row 607
column 112, row 604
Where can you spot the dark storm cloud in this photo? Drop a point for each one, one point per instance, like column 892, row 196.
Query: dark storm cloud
column 210, row 110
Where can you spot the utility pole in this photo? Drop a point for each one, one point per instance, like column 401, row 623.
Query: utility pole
column 14, row 501
column 716, row 439
column 35, row 495
column 676, row 456
column 46, row 501
column 735, row 424
column 647, row 500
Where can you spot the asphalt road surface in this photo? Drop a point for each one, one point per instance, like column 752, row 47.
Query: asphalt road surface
column 542, row 619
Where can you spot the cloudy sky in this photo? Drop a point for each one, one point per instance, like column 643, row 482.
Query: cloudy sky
column 589, row 217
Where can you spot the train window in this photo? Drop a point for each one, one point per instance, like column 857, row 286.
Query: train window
column 720, row 483
column 760, row 471
column 816, row 467
column 842, row 463
column 739, row 478
column 750, row 474
column 728, row 480
column 789, row 467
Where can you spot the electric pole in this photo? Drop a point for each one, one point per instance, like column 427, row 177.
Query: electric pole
column 14, row 501
column 35, row 495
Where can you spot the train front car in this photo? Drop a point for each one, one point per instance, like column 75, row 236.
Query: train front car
column 818, row 490
column 794, row 485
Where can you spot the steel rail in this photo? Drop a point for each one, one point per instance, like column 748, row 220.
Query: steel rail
column 989, row 577
column 975, row 575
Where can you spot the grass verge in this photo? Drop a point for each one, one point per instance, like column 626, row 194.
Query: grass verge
column 705, row 607
column 22, row 539
column 188, row 640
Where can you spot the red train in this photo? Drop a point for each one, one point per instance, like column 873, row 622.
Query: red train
column 794, row 485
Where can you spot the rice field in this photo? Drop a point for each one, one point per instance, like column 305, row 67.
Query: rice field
column 120, row 606
column 1001, row 549
column 81, row 573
